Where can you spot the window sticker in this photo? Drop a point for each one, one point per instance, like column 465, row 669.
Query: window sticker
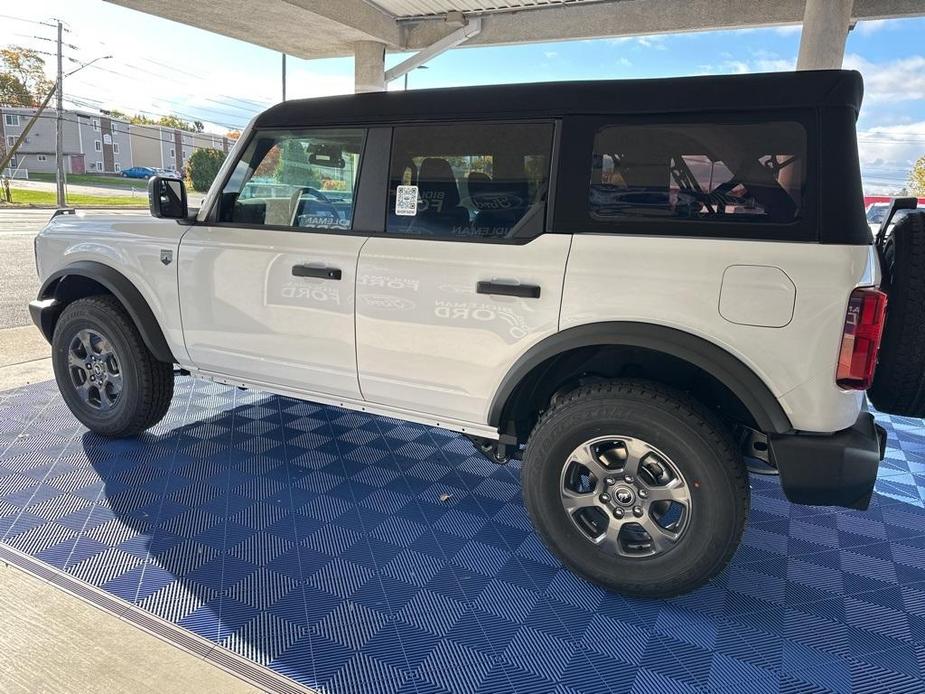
column 406, row 201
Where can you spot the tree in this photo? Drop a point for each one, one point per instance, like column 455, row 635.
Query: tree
column 233, row 135
column 917, row 177
column 22, row 77
column 294, row 168
column 202, row 167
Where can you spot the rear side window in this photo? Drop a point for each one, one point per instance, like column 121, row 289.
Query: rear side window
column 720, row 172
column 470, row 180
column 295, row 178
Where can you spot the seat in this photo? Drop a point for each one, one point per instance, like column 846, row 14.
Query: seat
column 500, row 204
column 440, row 212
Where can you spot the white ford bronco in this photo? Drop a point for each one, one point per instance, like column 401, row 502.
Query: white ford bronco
column 639, row 288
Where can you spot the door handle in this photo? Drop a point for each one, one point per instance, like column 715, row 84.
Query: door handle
column 325, row 273
column 526, row 291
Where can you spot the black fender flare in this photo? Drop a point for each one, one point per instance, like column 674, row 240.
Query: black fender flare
column 122, row 288
column 744, row 383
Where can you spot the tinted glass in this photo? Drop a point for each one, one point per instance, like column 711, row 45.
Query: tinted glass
column 470, row 180
column 735, row 172
column 295, row 178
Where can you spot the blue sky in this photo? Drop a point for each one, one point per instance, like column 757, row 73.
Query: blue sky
column 164, row 67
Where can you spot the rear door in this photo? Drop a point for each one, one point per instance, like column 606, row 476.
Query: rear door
column 464, row 280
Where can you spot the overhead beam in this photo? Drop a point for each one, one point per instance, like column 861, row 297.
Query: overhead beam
column 299, row 28
column 372, row 21
column 462, row 34
column 639, row 17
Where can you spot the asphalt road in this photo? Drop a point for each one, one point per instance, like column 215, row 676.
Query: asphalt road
column 18, row 282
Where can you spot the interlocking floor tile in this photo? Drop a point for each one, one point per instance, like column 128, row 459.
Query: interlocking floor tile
column 360, row 554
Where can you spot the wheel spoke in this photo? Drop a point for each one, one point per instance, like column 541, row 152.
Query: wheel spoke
column 609, row 540
column 574, row 501
column 675, row 491
column 635, row 452
column 115, row 381
column 662, row 538
column 585, row 455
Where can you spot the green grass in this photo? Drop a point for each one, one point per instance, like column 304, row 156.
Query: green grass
column 91, row 180
column 42, row 197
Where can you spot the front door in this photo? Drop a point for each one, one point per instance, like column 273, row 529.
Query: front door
column 267, row 289
column 464, row 280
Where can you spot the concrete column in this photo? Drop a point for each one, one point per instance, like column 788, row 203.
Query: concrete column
column 825, row 31
column 368, row 66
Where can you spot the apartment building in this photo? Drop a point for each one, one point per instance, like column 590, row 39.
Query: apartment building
column 97, row 143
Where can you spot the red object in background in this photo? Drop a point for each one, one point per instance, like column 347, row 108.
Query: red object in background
column 870, row 199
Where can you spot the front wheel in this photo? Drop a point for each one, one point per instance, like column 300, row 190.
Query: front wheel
column 107, row 376
column 636, row 487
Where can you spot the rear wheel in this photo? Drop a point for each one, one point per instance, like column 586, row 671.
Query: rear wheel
column 107, row 376
column 636, row 487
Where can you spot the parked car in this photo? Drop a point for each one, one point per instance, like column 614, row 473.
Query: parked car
column 877, row 212
column 631, row 286
column 169, row 173
column 145, row 172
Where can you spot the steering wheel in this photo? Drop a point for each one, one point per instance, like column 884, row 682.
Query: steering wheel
column 326, row 205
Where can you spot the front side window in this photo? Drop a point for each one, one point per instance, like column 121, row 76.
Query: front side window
column 469, row 180
column 723, row 172
column 295, row 178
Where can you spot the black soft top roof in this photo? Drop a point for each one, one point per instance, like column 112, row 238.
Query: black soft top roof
column 811, row 88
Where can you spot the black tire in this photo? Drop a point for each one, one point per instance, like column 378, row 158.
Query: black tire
column 700, row 447
column 146, row 383
column 899, row 382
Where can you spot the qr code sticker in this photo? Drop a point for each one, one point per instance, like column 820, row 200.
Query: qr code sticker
column 406, row 201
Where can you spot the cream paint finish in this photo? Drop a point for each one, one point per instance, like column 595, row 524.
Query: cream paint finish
column 676, row 283
column 246, row 316
column 130, row 245
column 426, row 341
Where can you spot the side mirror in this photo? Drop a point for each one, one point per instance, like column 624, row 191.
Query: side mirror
column 167, row 198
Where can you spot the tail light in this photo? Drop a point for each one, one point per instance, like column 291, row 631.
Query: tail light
column 861, row 339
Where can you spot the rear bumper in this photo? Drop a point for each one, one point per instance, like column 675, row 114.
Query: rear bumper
column 830, row 470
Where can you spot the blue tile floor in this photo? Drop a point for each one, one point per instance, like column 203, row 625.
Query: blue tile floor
column 360, row 554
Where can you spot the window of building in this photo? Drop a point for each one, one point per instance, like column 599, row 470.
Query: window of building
column 470, row 180
column 41, row 157
column 99, row 166
column 115, row 147
column 12, row 120
column 97, row 146
column 96, row 124
column 185, row 153
column 173, row 154
column 698, row 171
column 117, row 167
column 296, row 178
column 10, row 141
column 14, row 162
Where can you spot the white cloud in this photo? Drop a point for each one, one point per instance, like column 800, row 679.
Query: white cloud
column 742, row 67
column 653, row 41
column 871, row 26
column 887, row 153
column 897, row 80
column 789, row 29
column 551, row 54
column 625, row 62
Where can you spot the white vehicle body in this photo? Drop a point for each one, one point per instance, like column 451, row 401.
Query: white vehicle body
column 779, row 308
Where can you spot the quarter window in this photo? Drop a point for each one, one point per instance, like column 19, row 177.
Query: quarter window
column 722, row 172
column 469, row 180
column 296, row 178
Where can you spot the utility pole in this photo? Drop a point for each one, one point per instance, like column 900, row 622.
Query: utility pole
column 284, row 76
column 59, row 131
